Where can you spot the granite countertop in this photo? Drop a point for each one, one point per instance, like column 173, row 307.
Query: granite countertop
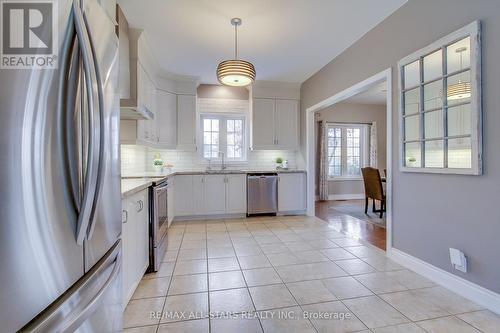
column 134, row 183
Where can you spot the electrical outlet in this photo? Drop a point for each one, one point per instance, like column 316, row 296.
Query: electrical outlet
column 458, row 260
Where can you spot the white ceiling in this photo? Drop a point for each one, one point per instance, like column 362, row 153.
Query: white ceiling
column 376, row 94
column 286, row 40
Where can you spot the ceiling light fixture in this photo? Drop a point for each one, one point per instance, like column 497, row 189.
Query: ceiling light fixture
column 461, row 89
column 236, row 72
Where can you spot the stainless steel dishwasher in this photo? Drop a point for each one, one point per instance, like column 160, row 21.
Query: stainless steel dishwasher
column 262, row 195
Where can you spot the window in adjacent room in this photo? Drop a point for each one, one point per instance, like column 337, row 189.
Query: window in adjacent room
column 347, row 149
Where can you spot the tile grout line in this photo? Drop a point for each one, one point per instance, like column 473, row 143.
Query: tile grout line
column 170, row 282
column 246, row 283
column 290, row 226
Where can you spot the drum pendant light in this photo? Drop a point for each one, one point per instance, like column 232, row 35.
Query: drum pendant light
column 236, row 72
column 461, row 89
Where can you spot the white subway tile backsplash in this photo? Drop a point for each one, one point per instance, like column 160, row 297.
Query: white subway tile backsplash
column 139, row 159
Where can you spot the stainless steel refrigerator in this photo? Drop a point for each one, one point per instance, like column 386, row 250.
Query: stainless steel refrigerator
column 60, row 202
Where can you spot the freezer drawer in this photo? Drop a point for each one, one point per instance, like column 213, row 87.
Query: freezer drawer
column 262, row 196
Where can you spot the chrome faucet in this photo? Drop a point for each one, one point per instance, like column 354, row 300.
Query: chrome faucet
column 223, row 165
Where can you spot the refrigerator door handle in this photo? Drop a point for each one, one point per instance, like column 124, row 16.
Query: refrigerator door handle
column 101, row 160
column 69, row 81
column 90, row 183
column 67, row 314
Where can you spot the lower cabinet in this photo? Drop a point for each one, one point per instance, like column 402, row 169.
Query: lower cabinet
column 291, row 192
column 210, row 194
column 135, row 241
column 236, row 194
column 214, row 194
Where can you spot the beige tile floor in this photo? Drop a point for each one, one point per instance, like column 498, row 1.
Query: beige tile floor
column 279, row 274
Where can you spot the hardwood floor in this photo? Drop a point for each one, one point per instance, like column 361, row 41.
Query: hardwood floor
column 351, row 225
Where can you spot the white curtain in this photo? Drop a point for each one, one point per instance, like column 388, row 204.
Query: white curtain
column 323, row 162
column 373, row 144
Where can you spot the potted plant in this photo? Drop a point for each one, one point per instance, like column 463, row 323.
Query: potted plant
column 279, row 162
column 158, row 162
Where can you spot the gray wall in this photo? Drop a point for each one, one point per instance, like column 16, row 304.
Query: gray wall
column 222, row 92
column 433, row 212
column 356, row 113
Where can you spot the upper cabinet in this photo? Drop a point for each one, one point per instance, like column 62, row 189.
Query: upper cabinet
column 124, row 54
column 136, row 79
column 264, row 123
column 275, row 124
column 157, row 109
column 186, row 122
column 166, row 119
column 287, row 124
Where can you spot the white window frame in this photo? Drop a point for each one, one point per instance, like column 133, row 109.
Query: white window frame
column 223, row 117
column 364, row 149
column 473, row 31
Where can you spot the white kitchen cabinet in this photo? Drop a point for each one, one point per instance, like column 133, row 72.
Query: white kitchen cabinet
column 263, row 124
column 186, row 122
column 197, row 202
column 275, row 124
column 128, row 254
column 236, row 194
column 214, row 194
column 166, row 119
column 291, row 192
column 146, row 129
column 200, row 195
column 135, row 241
column 287, row 123
column 184, row 195
column 171, row 200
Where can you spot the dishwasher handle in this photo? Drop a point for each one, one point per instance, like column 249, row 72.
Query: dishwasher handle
column 261, row 175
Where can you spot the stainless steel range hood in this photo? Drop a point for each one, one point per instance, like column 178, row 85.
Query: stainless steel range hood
column 130, row 106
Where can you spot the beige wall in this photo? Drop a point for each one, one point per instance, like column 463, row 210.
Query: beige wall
column 356, row 113
column 222, row 92
column 433, row 212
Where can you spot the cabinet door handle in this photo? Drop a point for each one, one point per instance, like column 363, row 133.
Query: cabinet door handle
column 141, row 206
column 124, row 213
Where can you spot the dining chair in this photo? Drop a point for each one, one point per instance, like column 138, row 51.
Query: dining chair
column 373, row 189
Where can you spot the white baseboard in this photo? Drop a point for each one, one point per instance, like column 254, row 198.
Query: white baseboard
column 355, row 196
column 458, row 285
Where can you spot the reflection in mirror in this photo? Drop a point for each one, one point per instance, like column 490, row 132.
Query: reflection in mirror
column 412, row 155
column 459, row 120
column 412, row 101
column 433, row 66
column 412, row 128
column 458, row 56
column 434, row 154
column 459, row 88
column 412, row 74
column 459, row 153
column 433, row 124
column 433, row 95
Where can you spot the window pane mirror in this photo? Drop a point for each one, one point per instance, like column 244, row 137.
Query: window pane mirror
column 440, row 105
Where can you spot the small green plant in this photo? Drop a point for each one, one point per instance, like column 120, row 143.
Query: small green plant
column 157, row 161
column 279, row 160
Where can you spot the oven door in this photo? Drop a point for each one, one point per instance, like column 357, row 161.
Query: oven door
column 160, row 217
